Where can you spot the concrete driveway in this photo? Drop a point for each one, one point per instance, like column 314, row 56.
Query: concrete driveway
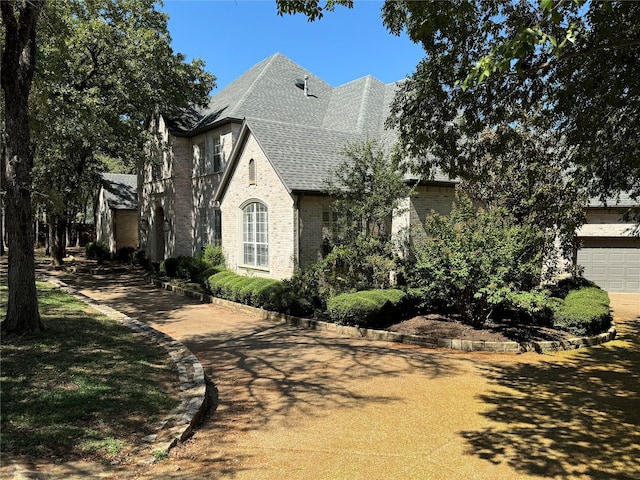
column 301, row 404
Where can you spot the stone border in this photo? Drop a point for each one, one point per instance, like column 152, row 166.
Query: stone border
column 195, row 400
column 386, row 336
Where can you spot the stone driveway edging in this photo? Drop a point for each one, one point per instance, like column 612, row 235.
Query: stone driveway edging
column 179, row 426
column 386, row 336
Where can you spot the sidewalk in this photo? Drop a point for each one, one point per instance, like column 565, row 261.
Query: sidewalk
column 301, row 404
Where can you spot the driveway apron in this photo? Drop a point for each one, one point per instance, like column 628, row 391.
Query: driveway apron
column 304, row 404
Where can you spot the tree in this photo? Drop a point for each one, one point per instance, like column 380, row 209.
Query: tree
column 367, row 189
column 18, row 62
column 489, row 62
column 106, row 68
column 493, row 63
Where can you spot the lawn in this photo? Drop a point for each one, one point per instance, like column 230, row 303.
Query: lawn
column 85, row 388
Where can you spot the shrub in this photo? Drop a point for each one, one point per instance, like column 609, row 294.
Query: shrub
column 97, row 251
column 190, row 268
column 254, row 291
column 365, row 308
column 213, row 256
column 125, row 254
column 584, row 311
column 479, row 261
column 139, row 258
column 170, row 267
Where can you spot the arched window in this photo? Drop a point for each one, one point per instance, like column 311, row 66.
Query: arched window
column 255, row 239
column 252, row 172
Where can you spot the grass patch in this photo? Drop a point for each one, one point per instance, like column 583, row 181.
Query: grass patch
column 85, row 388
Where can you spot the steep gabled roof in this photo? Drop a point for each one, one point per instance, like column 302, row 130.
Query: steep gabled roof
column 121, row 191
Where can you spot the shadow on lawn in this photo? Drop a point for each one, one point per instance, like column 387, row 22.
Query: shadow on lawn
column 578, row 415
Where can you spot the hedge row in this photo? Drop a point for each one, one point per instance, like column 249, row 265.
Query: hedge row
column 365, row 308
column 584, row 312
column 254, row 291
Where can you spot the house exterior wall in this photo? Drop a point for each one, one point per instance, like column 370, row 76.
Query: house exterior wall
column 427, row 199
column 104, row 222
column 312, row 228
column 269, row 190
column 165, row 205
column 205, row 182
column 126, row 229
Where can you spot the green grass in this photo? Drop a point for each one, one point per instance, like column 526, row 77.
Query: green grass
column 85, row 388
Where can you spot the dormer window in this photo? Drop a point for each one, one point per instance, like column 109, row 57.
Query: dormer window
column 252, row 172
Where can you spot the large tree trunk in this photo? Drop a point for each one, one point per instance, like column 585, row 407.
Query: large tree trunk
column 57, row 239
column 18, row 61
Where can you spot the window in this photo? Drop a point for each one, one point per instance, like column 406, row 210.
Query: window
column 217, row 156
column 252, row 172
column 201, row 161
column 255, row 241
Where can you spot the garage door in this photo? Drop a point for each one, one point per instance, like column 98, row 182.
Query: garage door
column 613, row 264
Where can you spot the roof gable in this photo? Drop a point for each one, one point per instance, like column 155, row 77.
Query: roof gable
column 121, row 191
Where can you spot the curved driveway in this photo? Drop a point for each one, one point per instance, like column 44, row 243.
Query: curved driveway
column 302, row 404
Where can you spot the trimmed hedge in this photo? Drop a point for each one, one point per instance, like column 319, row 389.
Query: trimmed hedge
column 254, row 291
column 365, row 308
column 584, row 312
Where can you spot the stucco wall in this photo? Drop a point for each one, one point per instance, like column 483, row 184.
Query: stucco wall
column 269, row 190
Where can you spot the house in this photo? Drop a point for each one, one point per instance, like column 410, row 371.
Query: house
column 117, row 211
column 609, row 250
column 248, row 173
column 254, row 165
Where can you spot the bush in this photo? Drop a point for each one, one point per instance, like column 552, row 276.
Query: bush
column 254, row 291
column 190, row 268
column 139, row 258
column 170, row 267
column 366, row 308
column 213, row 256
column 125, row 254
column 583, row 312
column 97, row 251
column 478, row 261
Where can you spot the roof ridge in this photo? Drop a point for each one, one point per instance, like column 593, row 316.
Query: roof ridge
column 269, row 61
column 363, row 102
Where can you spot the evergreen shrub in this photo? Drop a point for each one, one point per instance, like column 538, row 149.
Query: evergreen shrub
column 254, row 291
column 366, row 308
column 584, row 311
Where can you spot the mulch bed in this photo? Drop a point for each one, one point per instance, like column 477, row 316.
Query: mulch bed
column 437, row 326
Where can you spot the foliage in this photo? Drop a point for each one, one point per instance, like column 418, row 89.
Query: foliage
column 254, row 291
column 479, row 259
column 584, row 311
column 313, row 9
column 105, row 69
column 97, row 251
column 494, row 63
column 125, row 254
column 213, row 255
column 170, row 266
column 364, row 308
column 368, row 188
column 65, row 391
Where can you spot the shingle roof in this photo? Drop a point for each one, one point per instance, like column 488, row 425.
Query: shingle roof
column 302, row 135
column 121, row 191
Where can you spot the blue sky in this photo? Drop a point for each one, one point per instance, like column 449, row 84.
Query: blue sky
column 233, row 35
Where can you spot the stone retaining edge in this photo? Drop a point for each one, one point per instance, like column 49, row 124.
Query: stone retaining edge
column 194, row 403
column 386, row 336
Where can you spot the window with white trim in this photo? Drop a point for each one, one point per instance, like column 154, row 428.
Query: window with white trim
column 217, row 155
column 255, row 240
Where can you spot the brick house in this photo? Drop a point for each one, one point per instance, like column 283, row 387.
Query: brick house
column 249, row 172
column 116, row 211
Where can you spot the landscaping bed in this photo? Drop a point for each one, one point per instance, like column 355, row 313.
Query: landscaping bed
column 437, row 326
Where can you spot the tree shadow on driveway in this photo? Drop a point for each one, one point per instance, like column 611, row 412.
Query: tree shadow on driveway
column 577, row 414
